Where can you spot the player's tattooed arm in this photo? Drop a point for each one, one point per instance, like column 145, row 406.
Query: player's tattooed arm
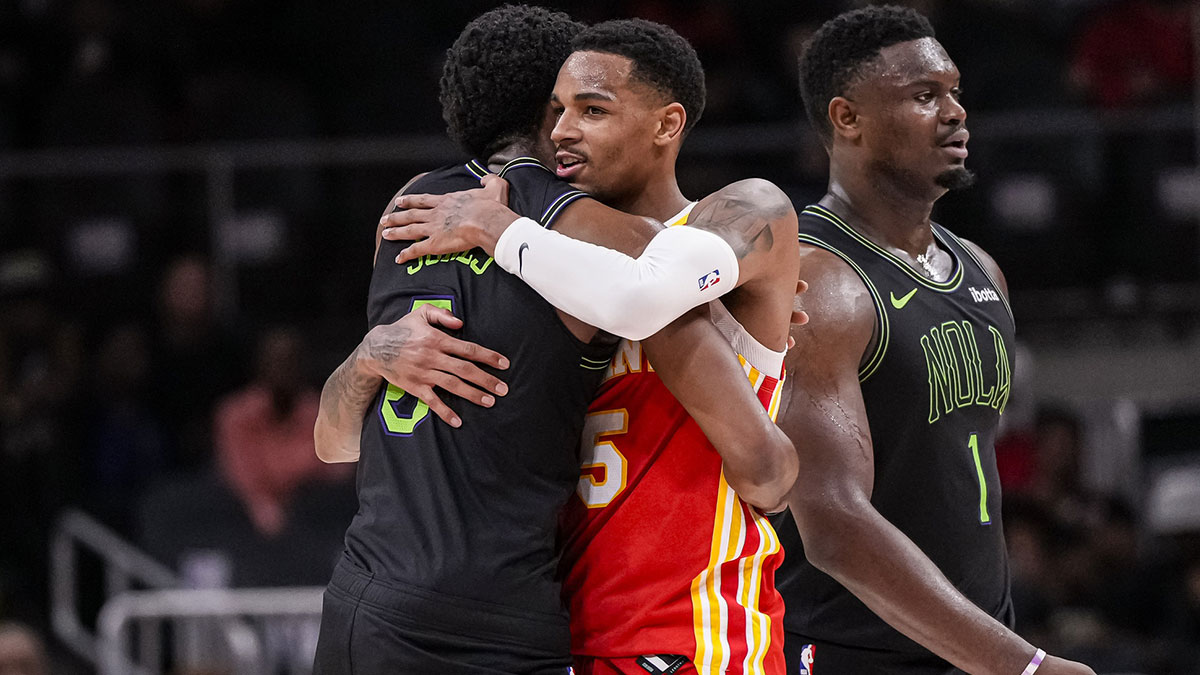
column 461, row 220
column 446, row 223
column 745, row 214
column 346, row 395
column 415, row 355
column 757, row 221
column 743, row 236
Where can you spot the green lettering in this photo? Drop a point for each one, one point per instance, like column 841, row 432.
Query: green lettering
column 1003, row 372
column 983, row 397
column 395, row 423
column 973, row 443
column 405, row 424
column 942, row 374
column 480, row 269
column 964, row 385
column 445, row 303
column 468, row 258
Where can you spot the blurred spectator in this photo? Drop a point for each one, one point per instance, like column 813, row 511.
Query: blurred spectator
column 40, row 362
column 196, row 361
column 125, row 445
column 40, row 356
column 1015, row 460
column 1125, row 591
column 1029, row 531
column 21, row 651
column 1135, row 52
column 1183, row 628
column 1057, row 446
column 264, row 433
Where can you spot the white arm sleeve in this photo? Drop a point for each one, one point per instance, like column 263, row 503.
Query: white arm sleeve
column 681, row 267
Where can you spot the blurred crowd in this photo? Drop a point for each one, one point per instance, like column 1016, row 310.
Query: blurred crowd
column 1094, row 573
column 176, row 432
column 128, row 391
column 79, row 72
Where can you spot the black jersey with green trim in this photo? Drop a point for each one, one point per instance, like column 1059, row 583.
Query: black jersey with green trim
column 934, row 389
column 466, row 517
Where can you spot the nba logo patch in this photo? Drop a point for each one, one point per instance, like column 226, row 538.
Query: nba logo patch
column 806, row 659
column 710, row 279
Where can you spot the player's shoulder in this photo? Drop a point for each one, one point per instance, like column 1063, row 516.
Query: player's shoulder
column 842, row 309
column 826, row 268
column 985, row 260
column 758, row 194
column 984, row 256
column 448, row 178
column 536, row 192
column 756, row 188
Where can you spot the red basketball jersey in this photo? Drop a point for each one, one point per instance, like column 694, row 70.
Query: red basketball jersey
column 660, row 555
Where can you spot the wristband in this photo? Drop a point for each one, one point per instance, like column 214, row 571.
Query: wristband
column 1034, row 662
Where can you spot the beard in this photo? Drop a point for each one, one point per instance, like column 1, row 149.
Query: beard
column 958, row 178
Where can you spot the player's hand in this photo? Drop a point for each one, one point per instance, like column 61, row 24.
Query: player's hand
column 1052, row 665
column 449, row 223
column 799, row 316
column 415, row 355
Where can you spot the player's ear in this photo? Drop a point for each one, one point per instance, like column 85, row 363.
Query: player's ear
column 671, row 120
column 843, row 115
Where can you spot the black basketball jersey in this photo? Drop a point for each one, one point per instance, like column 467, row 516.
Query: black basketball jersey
column 934, row 389
column 466, row 517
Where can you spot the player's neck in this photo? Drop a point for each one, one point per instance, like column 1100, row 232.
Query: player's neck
column 506, row 154
column 660, row 198
column 888, row 216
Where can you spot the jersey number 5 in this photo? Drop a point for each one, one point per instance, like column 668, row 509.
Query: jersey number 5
column 603, row 476
column 396, row 399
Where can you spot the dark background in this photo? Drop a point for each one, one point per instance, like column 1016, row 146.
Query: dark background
column 189, row 191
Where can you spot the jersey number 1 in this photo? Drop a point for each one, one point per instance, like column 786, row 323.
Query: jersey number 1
column 973, row 443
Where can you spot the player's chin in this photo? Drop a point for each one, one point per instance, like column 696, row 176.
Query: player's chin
column 580, row 182
column 955, row 178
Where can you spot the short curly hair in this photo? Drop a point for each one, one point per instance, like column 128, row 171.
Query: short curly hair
column 837, row 54
column 661, row 58
column 499, row 73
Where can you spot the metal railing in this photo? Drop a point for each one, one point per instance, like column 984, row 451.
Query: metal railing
column 249, row 630
column 124, row 567
column 243, row 620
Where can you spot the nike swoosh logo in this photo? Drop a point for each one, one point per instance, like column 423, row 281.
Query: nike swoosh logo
column 521, row 259
column 901, row 302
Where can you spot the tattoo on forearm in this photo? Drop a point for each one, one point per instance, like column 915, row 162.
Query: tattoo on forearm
column 740, row 221
column 348, row 391
column 386, row 351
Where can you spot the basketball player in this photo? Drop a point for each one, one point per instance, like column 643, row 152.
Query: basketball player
column 450, row 559
column 896, row 561
column 668, row 570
